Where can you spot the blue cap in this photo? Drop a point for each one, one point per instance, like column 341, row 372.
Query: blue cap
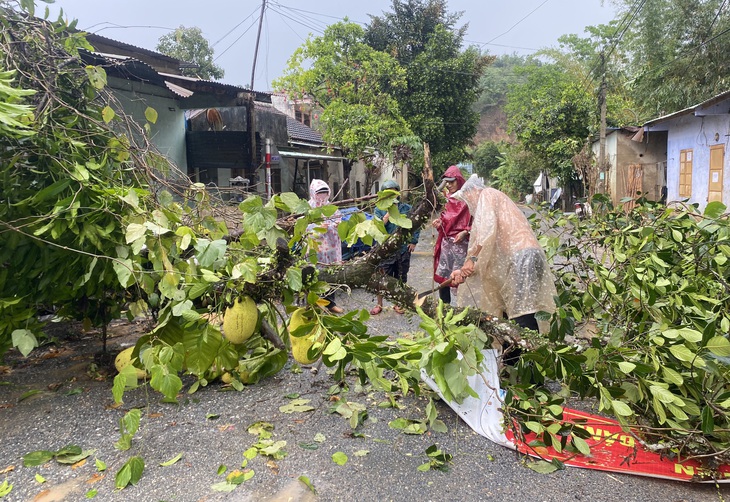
column 391, row 185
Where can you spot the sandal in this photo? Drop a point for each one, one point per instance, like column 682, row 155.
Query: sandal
column 376, row 310
column 336, row 310
column 399, row 310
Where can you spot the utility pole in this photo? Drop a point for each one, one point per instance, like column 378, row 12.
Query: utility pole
column 602, row 134
column 258, row 37
column 251, row 104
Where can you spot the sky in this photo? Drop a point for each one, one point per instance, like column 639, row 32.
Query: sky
column 231, row 26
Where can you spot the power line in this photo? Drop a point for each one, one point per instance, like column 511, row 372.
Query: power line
column 114, row 25
column 317, row 13
column 627, row 20
column 312, row 23
column 514, row 25
column 298, row 21
column 237, row 39
column 709, row 30
column 232, row 29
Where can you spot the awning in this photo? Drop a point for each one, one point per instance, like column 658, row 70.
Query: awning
column 313, row 156
column 538, row 183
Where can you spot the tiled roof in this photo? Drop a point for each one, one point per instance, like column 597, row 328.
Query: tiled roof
column 298, row 131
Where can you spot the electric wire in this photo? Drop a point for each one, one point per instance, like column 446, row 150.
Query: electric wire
column 253, row 23
column 232, row 29
column 622, row 27
column 315, row 29
column 709, row 30
column 518, row 22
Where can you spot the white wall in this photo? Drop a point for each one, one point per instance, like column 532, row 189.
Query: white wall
column 698, row 134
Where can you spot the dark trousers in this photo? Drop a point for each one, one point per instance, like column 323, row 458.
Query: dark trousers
column 445, row 294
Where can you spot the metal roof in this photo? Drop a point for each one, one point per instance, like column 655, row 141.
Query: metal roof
column 304, row 155
column 692, row 109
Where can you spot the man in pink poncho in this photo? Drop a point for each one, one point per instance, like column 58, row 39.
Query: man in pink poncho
column 506, row 272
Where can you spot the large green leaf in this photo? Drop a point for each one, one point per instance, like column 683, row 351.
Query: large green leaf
column 130, row 473
column 202, row 344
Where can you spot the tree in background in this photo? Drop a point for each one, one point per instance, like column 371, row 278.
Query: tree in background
column 517, row 171
column 677, row 52
column 488, row 157
column 189, row 45
column 354, row 85
column 551, row 114
column 442, row 80
column 496, row 80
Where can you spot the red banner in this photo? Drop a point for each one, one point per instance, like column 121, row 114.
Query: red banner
column 612, row 449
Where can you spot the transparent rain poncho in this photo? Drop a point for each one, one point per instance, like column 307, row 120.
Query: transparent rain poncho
column 512, row 275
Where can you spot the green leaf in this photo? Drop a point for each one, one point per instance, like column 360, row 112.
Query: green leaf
column 708, row 421
column 172, row 460
column 37, row 458
column 294, row 279
column 224, row 486
column 28, row 394
column 125, row 272
column 672, row 376
column 39, row 478
column 100, row 465
column 107, row 114
column 682, row 353
column 296, row 406
column 542, row 466
column 73, row 457
column 581, row 445
column 307, row 483
column 621, row 409
column 339, row 458
column 24, row 340
column 135, row 232
column 715, row 209
column 91, row 493
column 97, row 76
column 151, row 115
column 130, row 473
column 719, row 345
column 626, row 367
column 662, row 394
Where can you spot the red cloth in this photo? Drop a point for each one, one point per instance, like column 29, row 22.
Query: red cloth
column 455, row 218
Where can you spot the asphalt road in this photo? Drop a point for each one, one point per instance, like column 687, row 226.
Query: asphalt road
column 210, row 429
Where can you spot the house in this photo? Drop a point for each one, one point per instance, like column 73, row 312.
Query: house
column 635, row 163
column 308, row 157
column 697, row 138
column 211, row 154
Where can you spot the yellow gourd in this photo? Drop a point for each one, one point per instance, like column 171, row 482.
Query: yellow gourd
column 240, row 320
column 300, row 345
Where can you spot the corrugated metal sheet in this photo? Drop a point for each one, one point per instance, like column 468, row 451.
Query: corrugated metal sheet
column 305, row 155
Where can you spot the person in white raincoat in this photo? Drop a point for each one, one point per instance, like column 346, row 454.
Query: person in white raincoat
column 506, row 273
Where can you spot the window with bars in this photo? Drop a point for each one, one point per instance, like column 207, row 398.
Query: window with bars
column 685, row 173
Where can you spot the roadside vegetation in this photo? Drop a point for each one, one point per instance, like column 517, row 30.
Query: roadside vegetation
column 94, row 227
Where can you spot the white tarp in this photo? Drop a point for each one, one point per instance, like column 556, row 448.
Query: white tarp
column 482, row 414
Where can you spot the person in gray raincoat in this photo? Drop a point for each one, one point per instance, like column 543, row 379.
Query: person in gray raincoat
column 506, row 273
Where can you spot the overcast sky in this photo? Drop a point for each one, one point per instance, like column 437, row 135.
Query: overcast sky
column 499, row 27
